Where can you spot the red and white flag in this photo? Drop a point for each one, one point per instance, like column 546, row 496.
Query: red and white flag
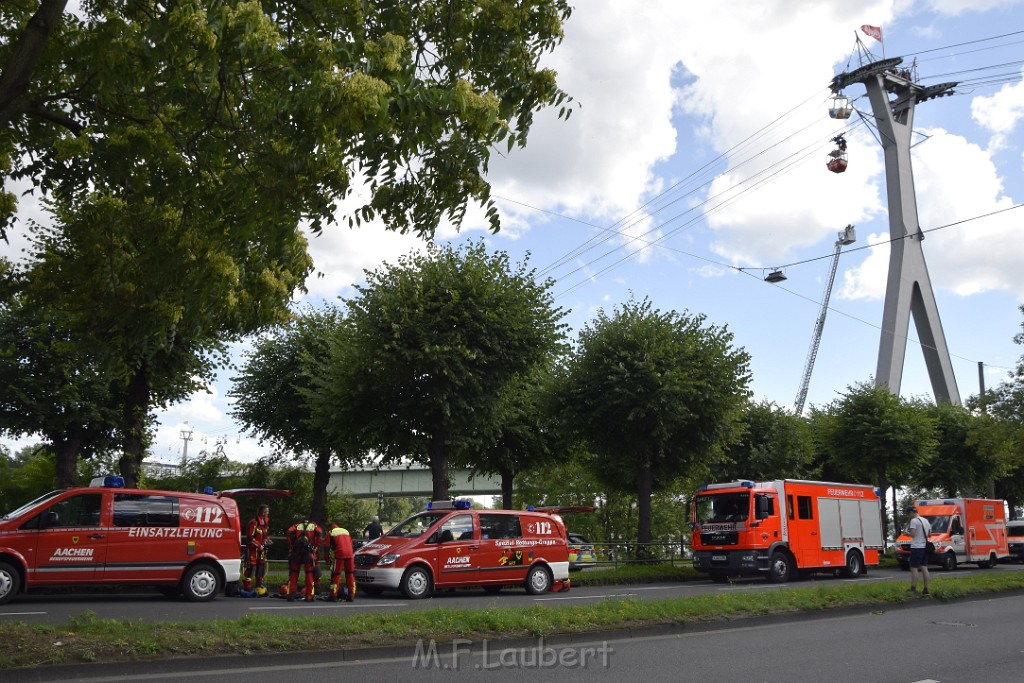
column 873, row 31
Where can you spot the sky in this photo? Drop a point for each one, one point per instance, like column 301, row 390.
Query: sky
column 694, row 164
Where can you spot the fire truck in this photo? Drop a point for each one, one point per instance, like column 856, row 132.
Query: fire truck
column 963, row 530
column 776, row 529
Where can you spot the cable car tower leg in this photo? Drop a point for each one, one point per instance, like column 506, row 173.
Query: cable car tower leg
column 909, row 288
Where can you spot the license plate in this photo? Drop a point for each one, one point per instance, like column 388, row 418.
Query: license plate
column 362, row 575
column 718, row 558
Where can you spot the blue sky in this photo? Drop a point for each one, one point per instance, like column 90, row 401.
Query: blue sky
column 695, row 163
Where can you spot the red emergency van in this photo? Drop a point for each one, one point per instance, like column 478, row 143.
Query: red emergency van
column 777, row 528
column 451, row 545
column 105, row 534
column 963, row 530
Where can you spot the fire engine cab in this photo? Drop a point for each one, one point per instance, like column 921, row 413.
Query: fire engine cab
column 451, row 545
column 963, row 530
column 106, row 534
column 777, row 528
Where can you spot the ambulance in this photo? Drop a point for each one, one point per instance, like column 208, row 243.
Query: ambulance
column 779, row 528
column 450, row 545
column 971, row 530
column 105, row 534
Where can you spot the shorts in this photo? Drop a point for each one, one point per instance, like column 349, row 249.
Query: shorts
column 917, row 557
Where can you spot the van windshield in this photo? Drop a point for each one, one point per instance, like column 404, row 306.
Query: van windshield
column 1016, row 531
column 940, row 523
column 417, row 525
column 29, row 506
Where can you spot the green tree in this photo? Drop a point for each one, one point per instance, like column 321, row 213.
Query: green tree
column 431, row 344
column 523, row 435
column 656, row 396
column 53, row 389
column 181, row 146
column 967, row 460
column 870, row 435
column 773, row 444
column 277, row 397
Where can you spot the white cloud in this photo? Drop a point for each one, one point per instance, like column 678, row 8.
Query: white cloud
column 1000, row 113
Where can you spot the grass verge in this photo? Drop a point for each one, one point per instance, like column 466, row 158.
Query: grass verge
column 87, row 638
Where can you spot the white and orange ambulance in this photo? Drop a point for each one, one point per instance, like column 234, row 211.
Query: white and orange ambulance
column 105, row 534
column 451, row 545
column 971, row 530
column 777, row 528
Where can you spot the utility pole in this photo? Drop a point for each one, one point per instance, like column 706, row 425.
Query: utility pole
column 186, row 436
column 908, row 290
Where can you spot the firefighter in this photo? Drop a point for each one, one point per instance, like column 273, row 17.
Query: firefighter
column 343, row 560
column 258, row 533
column 304, row 541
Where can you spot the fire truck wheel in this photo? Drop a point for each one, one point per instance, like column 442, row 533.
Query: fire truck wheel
column 10, row 582
column 988, row 564
column 538, row 581
column 417, row 583
column 854, row 565
column 200, row 583
column 780, row 567
column 949, row 562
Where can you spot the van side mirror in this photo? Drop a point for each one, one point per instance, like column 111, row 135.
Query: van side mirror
column 50, row 519
column 762, row 509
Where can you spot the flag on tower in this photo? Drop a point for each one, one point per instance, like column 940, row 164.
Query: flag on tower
column 873, row 31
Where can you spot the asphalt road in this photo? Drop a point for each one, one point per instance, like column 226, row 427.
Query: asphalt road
column 925, row 641
column 151, row 606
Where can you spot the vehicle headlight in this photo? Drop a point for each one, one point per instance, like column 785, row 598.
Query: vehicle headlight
column 387, row 559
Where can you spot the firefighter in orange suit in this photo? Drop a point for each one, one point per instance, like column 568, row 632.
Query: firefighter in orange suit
column 258, row 533
column 340, row 543
column 304, row 541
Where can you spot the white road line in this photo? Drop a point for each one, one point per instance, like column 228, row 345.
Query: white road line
column 303, row 607
column 20, row 614
column 589, row 597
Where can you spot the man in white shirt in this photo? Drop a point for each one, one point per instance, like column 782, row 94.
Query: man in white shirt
column 918, row 529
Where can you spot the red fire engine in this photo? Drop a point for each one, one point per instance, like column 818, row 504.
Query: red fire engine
column 780, row 527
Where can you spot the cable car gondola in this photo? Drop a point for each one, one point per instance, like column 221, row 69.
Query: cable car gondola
column 837, row 160
column 840, row 107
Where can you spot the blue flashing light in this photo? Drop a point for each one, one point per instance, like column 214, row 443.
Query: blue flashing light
column 208, row 490
column 109, row 481
column 748, row 484
column 950, row 502
column 449, row 504
column 878, row 492
column 463, row 505
column 530, row 508
column 704, row 487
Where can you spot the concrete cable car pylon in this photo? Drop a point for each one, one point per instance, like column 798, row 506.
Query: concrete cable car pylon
column 893, row 94
column 847, row 236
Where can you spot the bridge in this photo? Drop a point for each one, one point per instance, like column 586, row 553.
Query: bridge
column 409, row 482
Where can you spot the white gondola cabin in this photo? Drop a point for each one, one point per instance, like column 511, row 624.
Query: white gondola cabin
column 840, row 107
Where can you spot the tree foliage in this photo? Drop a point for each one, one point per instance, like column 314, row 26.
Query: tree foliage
column 180, row 146
column 655, row 396
column 430, row 346
column 870, row 435
column 276, row 398
column 773, row 444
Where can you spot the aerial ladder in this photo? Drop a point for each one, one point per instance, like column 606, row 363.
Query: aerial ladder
column 846, row 236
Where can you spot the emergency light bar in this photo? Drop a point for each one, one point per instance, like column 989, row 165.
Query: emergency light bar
column 108, row 482
column 449, row 505
column 727, row 485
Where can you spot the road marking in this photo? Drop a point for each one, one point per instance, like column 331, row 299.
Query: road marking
column 306, row 607
column 589, row 597
column 21, row 614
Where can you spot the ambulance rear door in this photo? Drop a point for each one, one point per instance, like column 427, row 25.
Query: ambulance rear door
column 66, row 542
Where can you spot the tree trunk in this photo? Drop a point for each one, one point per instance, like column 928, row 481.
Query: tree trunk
column 134, row 436
column 321, row 477
column 883, row 486
column 66, row 461
column 438, row 469
column 507, row 477
column 644, row 484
